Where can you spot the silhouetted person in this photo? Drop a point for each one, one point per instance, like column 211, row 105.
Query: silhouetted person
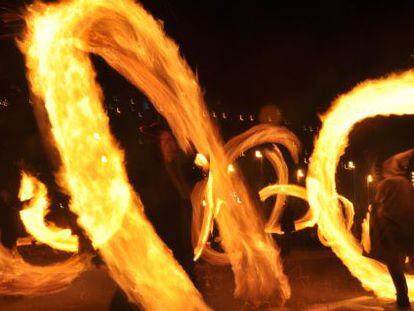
column 175, row 210
column 392, row 224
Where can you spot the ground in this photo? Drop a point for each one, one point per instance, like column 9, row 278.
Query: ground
column 318, row 279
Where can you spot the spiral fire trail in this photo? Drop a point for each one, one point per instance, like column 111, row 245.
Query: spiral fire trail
column 255, row 136
column 58, row 40
column 393, row 95
column 33, row 216
column 18, row 277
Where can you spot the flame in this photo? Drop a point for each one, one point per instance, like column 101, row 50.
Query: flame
column 33, row 217
column 17, row 277
column 308, row 220
column 393, row 95
column 201, row 161
column 57, row 43
column 266, row 134
column 93, row 170
column 58, row 40
column 257, row 135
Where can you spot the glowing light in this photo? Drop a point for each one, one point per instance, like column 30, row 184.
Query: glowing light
column 201, row 161
column 390, row 96
column 308, row 220
column 265, row 134
column 257, row 135
column 58, row 40
column 300, row 174
column 351, row 165
column 56, row 46
column 33, row 217
column 230, row 168
column 258, row 154
column 370, row 179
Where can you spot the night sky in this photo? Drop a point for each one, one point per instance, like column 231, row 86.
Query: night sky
column 298, row 55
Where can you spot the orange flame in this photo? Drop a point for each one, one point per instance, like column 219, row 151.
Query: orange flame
column 257, row 135
column 57, row 44
column 393, row 95
column 93, row 170
column 33, row 217
column 17, row 277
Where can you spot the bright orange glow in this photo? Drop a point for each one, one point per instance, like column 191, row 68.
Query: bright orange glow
column 33, row 217
column 268, row 134
column 93, row 171
column 257, row 135
column 58, row 40
column 308, row 220
column 393, row 95
column 21, row 278
column 201, row 161
column 300, row 174
column 56, row 46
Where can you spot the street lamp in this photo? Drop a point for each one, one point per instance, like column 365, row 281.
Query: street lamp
column 350, row 166
column 370, row 179
column 259, row 155
column 300, row 174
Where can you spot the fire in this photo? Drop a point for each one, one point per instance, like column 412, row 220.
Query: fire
column 308, row 220
column 201, row 161
column 33, row 217
column 57, row 43
column 393, row 95
column 265, row 134
column 17, row 277
column 257, row 135
column 58, row 40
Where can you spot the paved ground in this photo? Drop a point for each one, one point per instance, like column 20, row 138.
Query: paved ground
column 318, row 280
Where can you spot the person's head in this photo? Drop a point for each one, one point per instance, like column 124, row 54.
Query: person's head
column 270, row 114
column 168, row 145
column 399, row 164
